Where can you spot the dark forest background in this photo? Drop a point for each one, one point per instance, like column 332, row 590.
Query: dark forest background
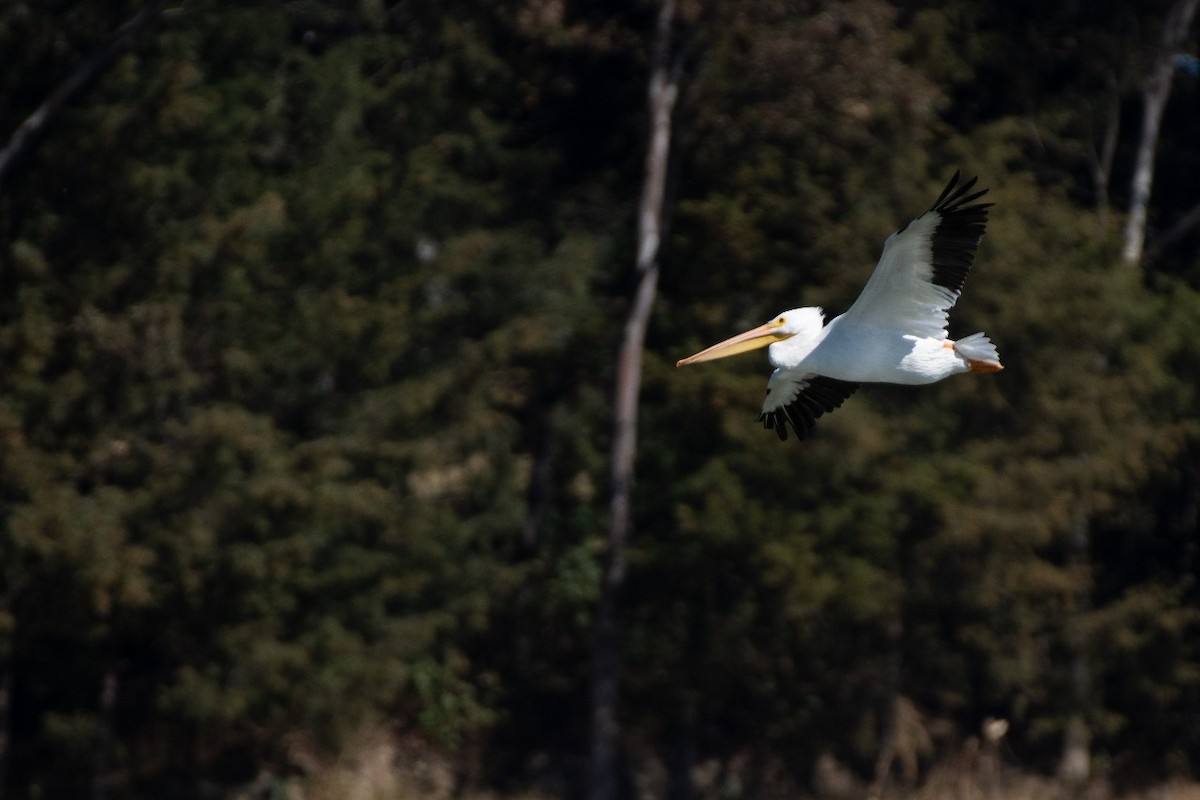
column 310, row 315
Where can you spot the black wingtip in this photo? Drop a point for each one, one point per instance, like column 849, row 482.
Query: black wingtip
column 818, row 396
column 773, row 421
column 954, row 196
column 955, row 239
column 949, row 188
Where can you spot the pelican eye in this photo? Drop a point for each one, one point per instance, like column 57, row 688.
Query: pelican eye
column 781, row 321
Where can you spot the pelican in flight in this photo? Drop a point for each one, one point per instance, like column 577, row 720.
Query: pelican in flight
column 894, row 333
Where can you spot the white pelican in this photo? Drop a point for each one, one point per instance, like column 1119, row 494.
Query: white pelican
column 894, row 333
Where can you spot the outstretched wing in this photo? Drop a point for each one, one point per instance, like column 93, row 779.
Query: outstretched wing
column 799, row 398
column 924, row 264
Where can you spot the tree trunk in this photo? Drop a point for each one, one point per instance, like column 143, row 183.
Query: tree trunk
column 1103, row 158
column 1155, row 93
column 5, row 720
column 682, row 757
column 1074, row 766
column 603, row 783
column 108, row 706
column 890, row 704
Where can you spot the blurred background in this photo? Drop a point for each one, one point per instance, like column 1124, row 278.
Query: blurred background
column 310, row 315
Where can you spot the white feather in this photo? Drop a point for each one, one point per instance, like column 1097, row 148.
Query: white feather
column 895, row 332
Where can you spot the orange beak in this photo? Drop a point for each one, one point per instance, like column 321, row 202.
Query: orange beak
column 752, row 339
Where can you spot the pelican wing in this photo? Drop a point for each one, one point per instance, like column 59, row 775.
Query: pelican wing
column 923, row 266
column 799, row 398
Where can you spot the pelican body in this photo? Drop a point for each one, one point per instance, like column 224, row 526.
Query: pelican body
column 895, row 332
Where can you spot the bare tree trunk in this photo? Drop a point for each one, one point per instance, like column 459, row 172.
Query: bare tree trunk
column 5, row 721
column 1154, row 99
column 541, row 482
column 1074, row 766
column 108, row 705
column 682, row 757
column 6, row 679
column 27, row 133
column 1103, row 158
column 603, row 784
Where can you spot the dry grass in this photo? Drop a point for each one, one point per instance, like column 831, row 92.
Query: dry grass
column 380, row 767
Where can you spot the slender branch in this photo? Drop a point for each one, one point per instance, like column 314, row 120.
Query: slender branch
column 5, row 719
column 1155, row 95
column 1102, row 160
column 23, row 139
column 1181, row 228
column 661, row 95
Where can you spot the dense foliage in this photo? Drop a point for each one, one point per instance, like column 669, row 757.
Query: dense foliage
column 307, row 317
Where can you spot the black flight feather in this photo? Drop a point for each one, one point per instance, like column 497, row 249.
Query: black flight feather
column 957, row 235
column 818, row 396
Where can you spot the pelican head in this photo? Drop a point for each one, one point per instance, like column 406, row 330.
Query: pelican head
column 800, row 326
